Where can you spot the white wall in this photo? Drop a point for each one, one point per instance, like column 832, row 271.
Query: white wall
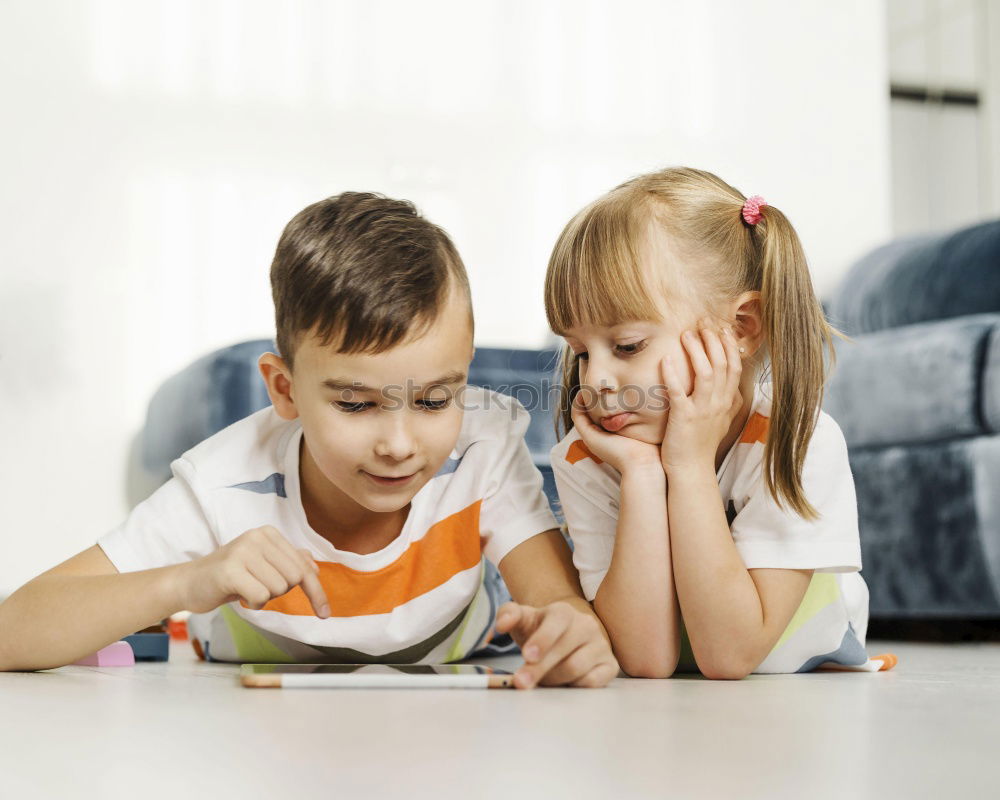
column 945, row 157
column 152, row 151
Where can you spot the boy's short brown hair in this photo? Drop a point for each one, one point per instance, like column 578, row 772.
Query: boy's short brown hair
column 363, row 271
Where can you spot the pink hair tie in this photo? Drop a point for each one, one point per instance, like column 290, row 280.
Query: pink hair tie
column 751, row 209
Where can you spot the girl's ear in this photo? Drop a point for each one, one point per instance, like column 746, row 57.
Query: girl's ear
column 749, row 326
column 278, row 379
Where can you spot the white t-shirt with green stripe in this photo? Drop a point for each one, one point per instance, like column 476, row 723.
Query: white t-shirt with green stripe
column 428, row 596
column 830, row 625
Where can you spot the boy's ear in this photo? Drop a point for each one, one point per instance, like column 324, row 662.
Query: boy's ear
column 278, row 379
column 749, row 327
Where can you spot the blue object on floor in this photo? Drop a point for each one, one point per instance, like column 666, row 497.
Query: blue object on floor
column 150, row 646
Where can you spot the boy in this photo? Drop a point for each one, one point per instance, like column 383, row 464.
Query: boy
column 349, row 521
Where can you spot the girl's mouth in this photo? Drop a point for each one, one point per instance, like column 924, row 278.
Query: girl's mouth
column 615, row 422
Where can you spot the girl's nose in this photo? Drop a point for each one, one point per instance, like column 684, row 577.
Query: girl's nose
column 600, row 376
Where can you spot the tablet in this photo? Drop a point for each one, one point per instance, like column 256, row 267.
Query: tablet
column 374, row 676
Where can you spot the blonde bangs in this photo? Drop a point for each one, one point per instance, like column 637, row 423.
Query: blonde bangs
column 595, row 272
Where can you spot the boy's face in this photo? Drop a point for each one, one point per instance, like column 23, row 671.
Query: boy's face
column 378, row 427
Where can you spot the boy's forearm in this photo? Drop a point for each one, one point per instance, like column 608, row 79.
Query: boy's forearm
column 636, row 600
column 581, row 605
column 55, row 619
column 720, row 603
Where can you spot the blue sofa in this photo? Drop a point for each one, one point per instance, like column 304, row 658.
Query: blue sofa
column 917, row 394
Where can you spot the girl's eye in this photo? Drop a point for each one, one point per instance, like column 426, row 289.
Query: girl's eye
column 353, row 408
column 622, row 349
column 434, row 405
column 631, row 349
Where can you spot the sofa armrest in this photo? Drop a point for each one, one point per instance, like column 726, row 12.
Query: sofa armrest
column 918, row 383
column 200, row 400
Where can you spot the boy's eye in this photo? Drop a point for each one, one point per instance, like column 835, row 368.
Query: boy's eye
column 353, row 408
column 434, row 405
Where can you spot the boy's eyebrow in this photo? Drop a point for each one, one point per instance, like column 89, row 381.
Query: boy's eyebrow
column 342, row 384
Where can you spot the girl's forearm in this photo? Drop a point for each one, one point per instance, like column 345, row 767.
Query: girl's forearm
column 636, row 600
column 718, row 598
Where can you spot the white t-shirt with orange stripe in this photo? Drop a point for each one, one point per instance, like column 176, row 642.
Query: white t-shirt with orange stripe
column 831, row 623
column 425, row 597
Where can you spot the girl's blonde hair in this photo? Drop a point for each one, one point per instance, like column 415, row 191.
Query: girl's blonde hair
column 595, row 276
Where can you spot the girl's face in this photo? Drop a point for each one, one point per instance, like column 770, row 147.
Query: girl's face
column 620, row 373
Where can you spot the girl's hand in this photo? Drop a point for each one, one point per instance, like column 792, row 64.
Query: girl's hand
column 618, row 451
column 697, row 423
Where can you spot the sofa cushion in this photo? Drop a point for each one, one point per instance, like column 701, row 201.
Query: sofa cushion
column 530, row 377
column 919, row 279
column 918, row 383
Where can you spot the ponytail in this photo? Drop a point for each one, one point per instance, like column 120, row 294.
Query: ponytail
column 797, row 336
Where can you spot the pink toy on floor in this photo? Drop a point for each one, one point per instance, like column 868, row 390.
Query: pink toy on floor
column 118, row 654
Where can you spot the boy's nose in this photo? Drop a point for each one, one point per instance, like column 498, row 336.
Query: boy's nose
column 395, row 439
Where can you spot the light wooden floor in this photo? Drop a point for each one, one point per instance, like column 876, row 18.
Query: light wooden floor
column 929, row 728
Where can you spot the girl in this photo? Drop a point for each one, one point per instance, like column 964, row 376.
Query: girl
column 713, row 514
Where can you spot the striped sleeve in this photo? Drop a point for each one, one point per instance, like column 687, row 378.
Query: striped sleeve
column 169, row 527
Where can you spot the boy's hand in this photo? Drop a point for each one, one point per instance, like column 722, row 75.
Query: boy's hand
column 561, row 645
column 255, row 567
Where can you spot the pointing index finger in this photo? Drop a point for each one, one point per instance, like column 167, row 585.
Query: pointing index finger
column 317, row 596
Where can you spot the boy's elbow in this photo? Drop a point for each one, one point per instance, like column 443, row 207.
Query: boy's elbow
column 13, row 661
column 9, row 662
column 16, row 666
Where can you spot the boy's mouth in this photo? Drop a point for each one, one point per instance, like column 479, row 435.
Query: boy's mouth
column 615, row 422
column 382, row 480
